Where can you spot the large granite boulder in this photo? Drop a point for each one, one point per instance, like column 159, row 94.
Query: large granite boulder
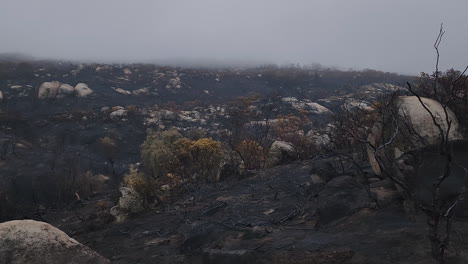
column 48, row 90
column 281, row 151
column 32, row 242
column 416, row 128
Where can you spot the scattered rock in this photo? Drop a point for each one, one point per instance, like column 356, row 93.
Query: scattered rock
column 117, row 107
column 127, row 71
column 122, row 91
column 105, row 109
column 174, row 83
column 167, row 115
column 141, row 91
column 32, row 242
column 118, row 114
column 318, row 109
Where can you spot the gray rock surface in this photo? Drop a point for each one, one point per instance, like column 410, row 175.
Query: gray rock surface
column 130, row 202
column 423, row 131
column 32, row 242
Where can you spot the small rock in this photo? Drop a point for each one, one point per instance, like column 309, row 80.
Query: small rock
column 127, row 71
column 117, row 107
column 105, row 109
column 28, row 241
column 122, row 91
column 167, row 115
column 269, row 212
column 140, row 91
column 118, row 115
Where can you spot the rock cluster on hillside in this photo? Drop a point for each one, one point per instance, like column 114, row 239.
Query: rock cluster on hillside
column 56, row 89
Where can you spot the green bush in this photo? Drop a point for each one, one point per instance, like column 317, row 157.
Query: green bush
column 201, row 157
column 157, row 153
column 167, row 155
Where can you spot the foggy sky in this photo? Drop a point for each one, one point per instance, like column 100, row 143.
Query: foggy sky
column 389, row 35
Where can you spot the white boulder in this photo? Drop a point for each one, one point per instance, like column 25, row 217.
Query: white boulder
column 127, row 71
column 422, row 121
column 32, row 242
column 141, row 91
column 318, row 108
column 280, row 151
column 167, row 115
column 65, row 90
column 118, row 114
column 82, row 90
column 421, row 132
column 48, row 90
column 122, row 91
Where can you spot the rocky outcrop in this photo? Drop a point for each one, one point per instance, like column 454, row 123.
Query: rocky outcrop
column 174, row 83
column 416, row 127
column 48, row 90
column 82, row 90
column 141, row 91
column 122, row 91
column 32, row 242
column 318, row 108
column 130, row 203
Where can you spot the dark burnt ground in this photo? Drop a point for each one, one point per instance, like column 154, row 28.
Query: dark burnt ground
column 278, row 215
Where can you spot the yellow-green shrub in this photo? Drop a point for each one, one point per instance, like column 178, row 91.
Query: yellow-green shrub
column 157, row 153
column 167, row 154
column 202, row 157
column 252, row 154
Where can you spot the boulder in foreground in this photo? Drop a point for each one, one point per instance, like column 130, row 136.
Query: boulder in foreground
column 33, row 242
